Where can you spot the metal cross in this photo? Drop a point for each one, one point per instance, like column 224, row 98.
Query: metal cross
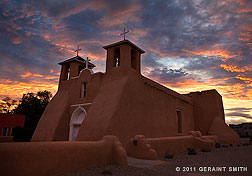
column 78, row 49
column 124, row 32
column 87, row 60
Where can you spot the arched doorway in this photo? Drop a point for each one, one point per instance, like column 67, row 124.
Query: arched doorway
column 75, row 122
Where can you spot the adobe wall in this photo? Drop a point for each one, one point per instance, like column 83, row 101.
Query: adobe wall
column 103, row 107
column 54, row 123
column 129, row 104
column 209, row 116
column 73, row 86
column 54, row 116
column 225, row 134
column 207, row 105
column 149, row 148
column 56, row 158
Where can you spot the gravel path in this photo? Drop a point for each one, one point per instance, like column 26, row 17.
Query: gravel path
column 189, row 165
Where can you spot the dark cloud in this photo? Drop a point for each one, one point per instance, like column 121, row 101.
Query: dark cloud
column 203, row 40
column 192, row 29
column 168, row 76
column 239, row 109
column 83, row 25
column 239, row 115
column 239, row 112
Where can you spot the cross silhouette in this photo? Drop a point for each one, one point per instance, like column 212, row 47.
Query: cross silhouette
column 87, row 60
column 124, row 33
column 78, row 49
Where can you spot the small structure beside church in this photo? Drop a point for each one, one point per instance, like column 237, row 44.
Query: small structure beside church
column 7, row 123
column 124, row 103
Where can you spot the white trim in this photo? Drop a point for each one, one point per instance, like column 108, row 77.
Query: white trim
column 91, row 72
column 84, row 104
column 72, row 124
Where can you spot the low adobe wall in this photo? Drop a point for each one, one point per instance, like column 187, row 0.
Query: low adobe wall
column 138, row 147
column 171, row 144
column 55, row 158
column 149, row 148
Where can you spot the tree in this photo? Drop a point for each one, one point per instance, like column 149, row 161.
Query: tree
column 7, row 105
column 33, row 106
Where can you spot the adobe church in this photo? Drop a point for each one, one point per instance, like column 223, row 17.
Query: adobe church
column 124, row 103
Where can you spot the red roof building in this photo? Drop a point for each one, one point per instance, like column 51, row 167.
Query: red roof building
column 9, row 121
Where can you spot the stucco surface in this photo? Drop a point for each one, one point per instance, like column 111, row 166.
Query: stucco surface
column 55, row 119
column 138, row 147
column 54, row 158
column 206, row 106
column 127, row 107
column 124, row 103
column 225, row 134
column 148, row 148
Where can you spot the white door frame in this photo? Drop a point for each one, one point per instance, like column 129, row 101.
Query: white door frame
column 77, row 118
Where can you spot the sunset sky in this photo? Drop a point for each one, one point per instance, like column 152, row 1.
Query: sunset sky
column 190, row 45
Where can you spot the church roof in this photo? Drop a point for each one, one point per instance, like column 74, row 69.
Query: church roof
column 77, row 59
column 123, row 42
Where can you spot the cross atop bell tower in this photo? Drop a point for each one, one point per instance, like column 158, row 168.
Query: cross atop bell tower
column 78, row 49
column 124, row 33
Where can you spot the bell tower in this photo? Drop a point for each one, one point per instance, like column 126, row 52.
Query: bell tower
column 123, row 55
column 72, row 67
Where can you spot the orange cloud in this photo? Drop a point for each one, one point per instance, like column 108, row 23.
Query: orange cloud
column 37, row 75
column 235, row 68
column 188, row 82
column 16, row 89
column 244, row 10
column 189, row 85
column 215, row 52
column 27, row 74
column 51, row 77
column 46, row 37
column 91, row 56
column 64, row 46
column 16, row 40
column 237, row 91
column 246, row 80
column 241, row 2
column 245, row 33
column 215, row 20
column 124, row 14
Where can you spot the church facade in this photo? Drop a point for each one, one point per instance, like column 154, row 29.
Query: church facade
column 124, row 103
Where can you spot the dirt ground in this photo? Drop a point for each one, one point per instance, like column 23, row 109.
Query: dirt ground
column 236, row 160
